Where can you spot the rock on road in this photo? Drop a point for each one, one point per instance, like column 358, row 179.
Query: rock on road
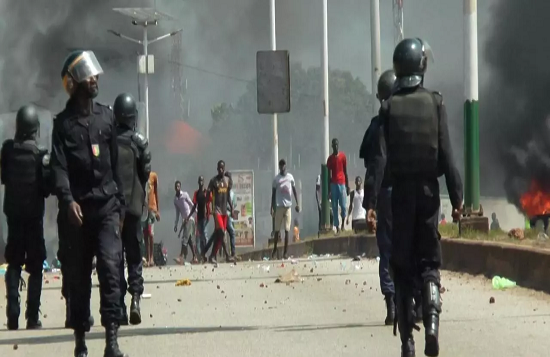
column 337, row 310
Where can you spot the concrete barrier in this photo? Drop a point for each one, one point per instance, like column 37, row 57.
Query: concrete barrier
column 529, row 267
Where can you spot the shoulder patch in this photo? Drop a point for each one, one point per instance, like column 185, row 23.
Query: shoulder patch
column 105, row 106
column 438, row 96
column 46, row 160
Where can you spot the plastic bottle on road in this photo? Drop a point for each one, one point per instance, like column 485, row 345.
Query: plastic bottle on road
column 500, row 283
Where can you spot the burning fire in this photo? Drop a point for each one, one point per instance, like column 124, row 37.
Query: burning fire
column 535, row 202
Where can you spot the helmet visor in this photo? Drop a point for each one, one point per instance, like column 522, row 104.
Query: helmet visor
column 427, row 50
column 85, row 66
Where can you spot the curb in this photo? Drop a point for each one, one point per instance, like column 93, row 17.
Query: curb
column 529, row 267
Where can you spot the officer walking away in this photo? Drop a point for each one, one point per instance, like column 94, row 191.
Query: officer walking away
column 25, row 168
column 85, row 167
column 134, row 167
column 413, row 142
column 383, row 210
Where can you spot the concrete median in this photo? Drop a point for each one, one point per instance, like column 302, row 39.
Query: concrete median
column 529, row 267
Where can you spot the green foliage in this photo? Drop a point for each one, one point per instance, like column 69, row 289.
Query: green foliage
column 251, row 133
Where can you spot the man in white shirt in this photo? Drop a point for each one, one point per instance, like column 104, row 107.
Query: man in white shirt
column 183, row 206
column 356, row 211
column 281, row 198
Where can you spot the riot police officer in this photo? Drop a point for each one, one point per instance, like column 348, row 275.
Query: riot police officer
column 383, row 209
column 413, row 142
column 134, row 167
column 25, row 168
column 87, row 184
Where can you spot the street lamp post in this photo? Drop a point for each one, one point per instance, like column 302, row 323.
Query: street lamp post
column 375, row 49
column 273, row 28
column 144, row 17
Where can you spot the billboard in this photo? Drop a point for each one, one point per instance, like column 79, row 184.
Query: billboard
column 243, row 212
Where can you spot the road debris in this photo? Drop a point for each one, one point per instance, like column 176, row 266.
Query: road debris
column 184, row 282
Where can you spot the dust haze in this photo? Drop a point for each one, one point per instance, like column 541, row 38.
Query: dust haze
column 214, row 58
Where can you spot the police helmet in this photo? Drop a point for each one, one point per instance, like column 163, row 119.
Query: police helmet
column 125, row 109
column 385, row 84
column 26, row 122
column 79, row 66
column 410, row 61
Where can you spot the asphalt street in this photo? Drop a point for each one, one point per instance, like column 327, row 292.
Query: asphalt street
column 334, row 308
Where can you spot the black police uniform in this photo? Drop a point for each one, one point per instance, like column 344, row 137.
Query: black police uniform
column 84, row 162
column 26, row 175
column 416, row 155
column 134, row 169
column 66, row 231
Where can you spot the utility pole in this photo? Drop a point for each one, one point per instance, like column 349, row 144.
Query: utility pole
column 325, row 209
column 473, row 211
column 375, row 49
column 471, row 107
column 275, row 128
column 144, row 17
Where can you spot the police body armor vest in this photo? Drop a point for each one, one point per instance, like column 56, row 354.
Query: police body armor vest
column 413, row 133
column 128, row 155
column 24, row 194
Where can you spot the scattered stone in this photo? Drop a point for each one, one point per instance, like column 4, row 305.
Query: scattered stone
column 492, row 300
column 319, row 279
column 517, row 233
column 311, row 270
column 218, row 287
column 16, row 346
column 262, row 285
column 179, row 300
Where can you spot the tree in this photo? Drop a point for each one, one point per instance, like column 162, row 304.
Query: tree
column 301, row 130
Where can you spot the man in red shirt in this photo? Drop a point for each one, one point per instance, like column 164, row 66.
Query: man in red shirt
column 339, row 189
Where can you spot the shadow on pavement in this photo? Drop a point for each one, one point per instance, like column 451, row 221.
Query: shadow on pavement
column 324, row 327
column 159, row 331
column 153, row 331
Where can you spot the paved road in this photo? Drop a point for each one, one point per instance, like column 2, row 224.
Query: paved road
column 321, row 316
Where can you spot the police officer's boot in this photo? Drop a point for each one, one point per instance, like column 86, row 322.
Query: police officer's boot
column 34, row 291
column 418, row 306
column 405, row 323
column 135, row 310
column 111, row 341
column 390, row 310
column 13, row 309
column 431, row 310
column 80, row 348
column 124, row 318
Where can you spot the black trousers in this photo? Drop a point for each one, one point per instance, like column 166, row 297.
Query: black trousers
column 131, row 238
column 416, row 250
column 99, row 235
column 26, row 244
column 63, row 251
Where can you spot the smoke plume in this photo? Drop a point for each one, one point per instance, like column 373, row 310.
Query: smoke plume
column 515, row 109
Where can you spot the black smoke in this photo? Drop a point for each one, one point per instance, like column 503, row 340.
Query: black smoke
column 515, row 104
column 35, row 38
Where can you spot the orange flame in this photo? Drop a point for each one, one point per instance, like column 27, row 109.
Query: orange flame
column 535, row 201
